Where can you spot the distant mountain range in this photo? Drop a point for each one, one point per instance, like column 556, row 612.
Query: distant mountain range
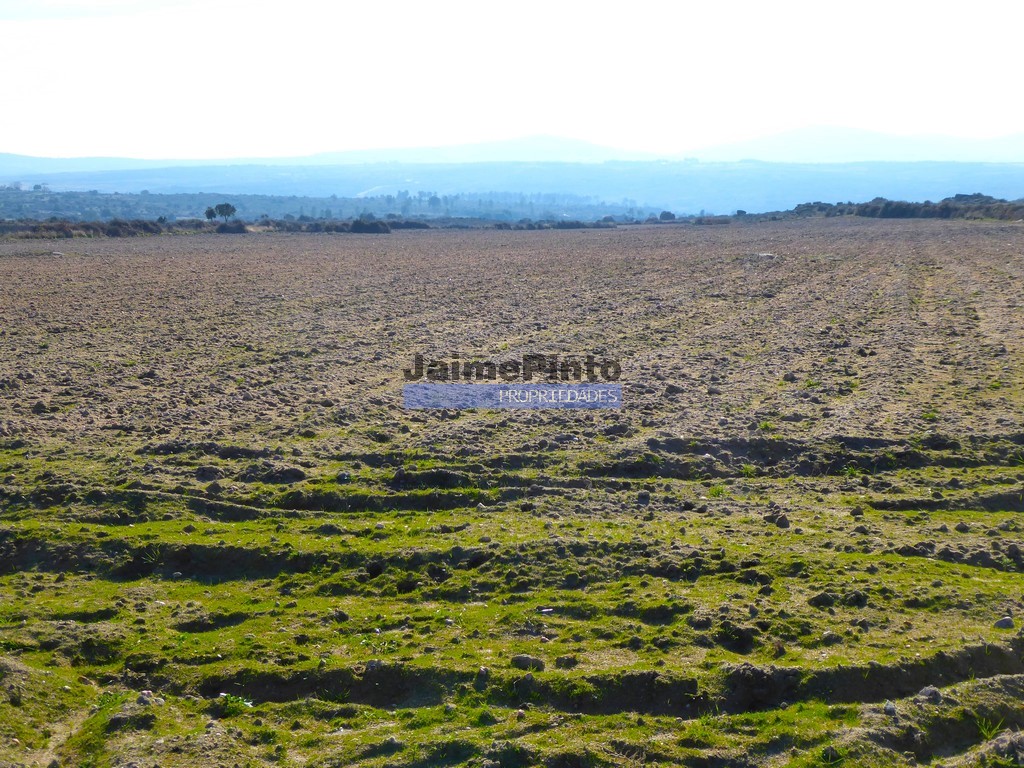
column 848, row 145
column 772, row 173
column 805, row 145
column 532, row 149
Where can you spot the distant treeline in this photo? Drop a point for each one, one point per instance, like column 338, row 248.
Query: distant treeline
column 40, row 203
column 61, row 228
column 976, row 206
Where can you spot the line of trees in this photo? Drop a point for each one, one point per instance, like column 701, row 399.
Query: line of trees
column 224, row 210
column 976, row 206
column 41, row 203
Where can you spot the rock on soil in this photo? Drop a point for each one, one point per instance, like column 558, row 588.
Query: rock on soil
column 525, row 661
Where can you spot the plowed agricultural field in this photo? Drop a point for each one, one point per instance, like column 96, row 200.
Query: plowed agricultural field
column 224, row 541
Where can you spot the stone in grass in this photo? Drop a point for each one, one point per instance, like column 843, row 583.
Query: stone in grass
column 855, row 599
column 207, row 473
column 566, row 662
column 822, row 600
column 389, row 746
column 525, row 661
column 486, row 718
column 268, row 472
column 831, row 755
column 962, row 527
column 131, row 717
column 338, row 615
column 930, row 693
column 1004, row 623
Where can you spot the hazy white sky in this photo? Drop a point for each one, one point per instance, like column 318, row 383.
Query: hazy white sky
column 182, row 78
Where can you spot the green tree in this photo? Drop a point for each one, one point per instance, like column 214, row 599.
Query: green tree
column 224, row 210
column 211, row 214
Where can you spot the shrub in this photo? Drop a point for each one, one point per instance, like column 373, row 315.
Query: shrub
column 369, row 227
column 232, row 228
